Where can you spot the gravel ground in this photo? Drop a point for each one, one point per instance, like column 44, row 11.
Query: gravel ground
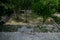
column 25, row 36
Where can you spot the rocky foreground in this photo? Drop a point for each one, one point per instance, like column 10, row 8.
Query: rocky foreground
column 25, row 36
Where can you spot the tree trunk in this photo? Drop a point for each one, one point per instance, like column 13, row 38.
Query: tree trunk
column 26, row 16
column 14, row 13
column 44, row 19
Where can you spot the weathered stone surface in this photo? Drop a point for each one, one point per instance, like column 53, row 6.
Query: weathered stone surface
column 25, row 36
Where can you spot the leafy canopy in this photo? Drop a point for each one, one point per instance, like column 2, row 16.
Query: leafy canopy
column 45, row 8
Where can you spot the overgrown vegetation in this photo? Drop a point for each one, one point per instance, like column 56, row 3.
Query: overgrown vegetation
column 39, row 8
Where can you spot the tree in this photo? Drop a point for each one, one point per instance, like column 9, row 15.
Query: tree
column 58, row 6
column 5, row 10
column 45, row 8
column 26, row 5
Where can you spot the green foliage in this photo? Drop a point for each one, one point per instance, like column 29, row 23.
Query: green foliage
column 7, row 28
column 22, row 4
column 15, row 3
column 58, row 6
column 26, row 4
column 2, row 10
column 4, row 1
column 43, row 28
column 5, row 11
column 57, row 19
column 45, row 8
column 36, row 1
